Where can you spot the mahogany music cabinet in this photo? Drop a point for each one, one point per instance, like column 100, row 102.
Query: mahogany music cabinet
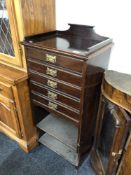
column 65, row 72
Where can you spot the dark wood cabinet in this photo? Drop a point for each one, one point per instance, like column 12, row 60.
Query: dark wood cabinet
column 112, row 131
column 113, row 126
column 65, row 73
column 125, row 163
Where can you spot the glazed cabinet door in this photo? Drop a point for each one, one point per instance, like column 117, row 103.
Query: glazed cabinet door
column 10, row 51
column 126, row 159
column 112, row 130
column 8, row 116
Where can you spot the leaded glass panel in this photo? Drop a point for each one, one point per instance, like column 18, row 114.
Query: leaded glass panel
column 6, row 46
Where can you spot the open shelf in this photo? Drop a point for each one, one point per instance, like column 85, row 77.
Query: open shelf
column 60, row 136
column 61, row 129
column 60, row 148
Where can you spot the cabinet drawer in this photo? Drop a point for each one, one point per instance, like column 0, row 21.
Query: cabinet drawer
column 55, row 72
column 60, row 60
column 56, row 96
column 6, row 90
column 65, row 88
column 52, row 106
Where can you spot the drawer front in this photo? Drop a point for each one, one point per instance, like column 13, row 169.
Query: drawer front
column 54, row 72
column 73, row 91
column 6, row 90
column 55, row 96
column 51, row 106
column 56, row 59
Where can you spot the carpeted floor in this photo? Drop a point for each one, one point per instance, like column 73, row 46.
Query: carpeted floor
column 41, row 161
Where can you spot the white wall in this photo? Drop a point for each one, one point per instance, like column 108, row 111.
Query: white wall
column 111, row 18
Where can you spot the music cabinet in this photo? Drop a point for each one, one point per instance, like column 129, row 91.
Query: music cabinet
column 111, row 150
column 65, row 72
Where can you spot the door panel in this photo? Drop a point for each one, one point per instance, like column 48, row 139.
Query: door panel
column 10, row 48
column 8, row 116
column 113, row 132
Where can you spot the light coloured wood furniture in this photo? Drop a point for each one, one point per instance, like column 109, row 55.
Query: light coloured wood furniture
column 15, row 109
column 19, row 18
column 26, row 18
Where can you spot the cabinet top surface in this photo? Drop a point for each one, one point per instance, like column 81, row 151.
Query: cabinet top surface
column 78, row 40
column 119, row 81
column 11, row 75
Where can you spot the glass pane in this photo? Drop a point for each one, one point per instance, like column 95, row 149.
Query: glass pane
column 106, row 136
column 6, row 46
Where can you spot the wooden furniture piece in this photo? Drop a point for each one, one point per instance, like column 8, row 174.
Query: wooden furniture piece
column 15, row 25
column 19, row 18
column 125, row 164
column 15, row 109
column 65, row 70
column 113, row 126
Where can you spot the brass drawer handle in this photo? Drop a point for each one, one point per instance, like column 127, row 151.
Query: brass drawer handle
column 50, row 58
column 52, row 95
column 52, row 84
column 52, row 106
column 51, row 72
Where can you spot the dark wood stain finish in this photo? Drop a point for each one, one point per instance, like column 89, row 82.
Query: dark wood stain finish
column 60, row 73
column 74, row 103
column 126, row 159
column 110, row 153
column 80, row 56
column 63, row 61
column 59, row 85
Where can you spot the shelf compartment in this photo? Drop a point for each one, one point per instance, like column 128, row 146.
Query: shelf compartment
column 63, row 130
column 60, row 148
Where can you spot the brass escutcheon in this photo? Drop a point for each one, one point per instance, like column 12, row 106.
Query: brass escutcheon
column 50, row 58
column 51, row 72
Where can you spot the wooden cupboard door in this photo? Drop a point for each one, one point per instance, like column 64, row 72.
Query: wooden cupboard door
column 10, row 49
column 6, row 90
column 113, row 130
column 126, row 159
column 8, row 116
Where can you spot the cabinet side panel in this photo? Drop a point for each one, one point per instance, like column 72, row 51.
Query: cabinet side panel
column 95, row 69
column 23, row 106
